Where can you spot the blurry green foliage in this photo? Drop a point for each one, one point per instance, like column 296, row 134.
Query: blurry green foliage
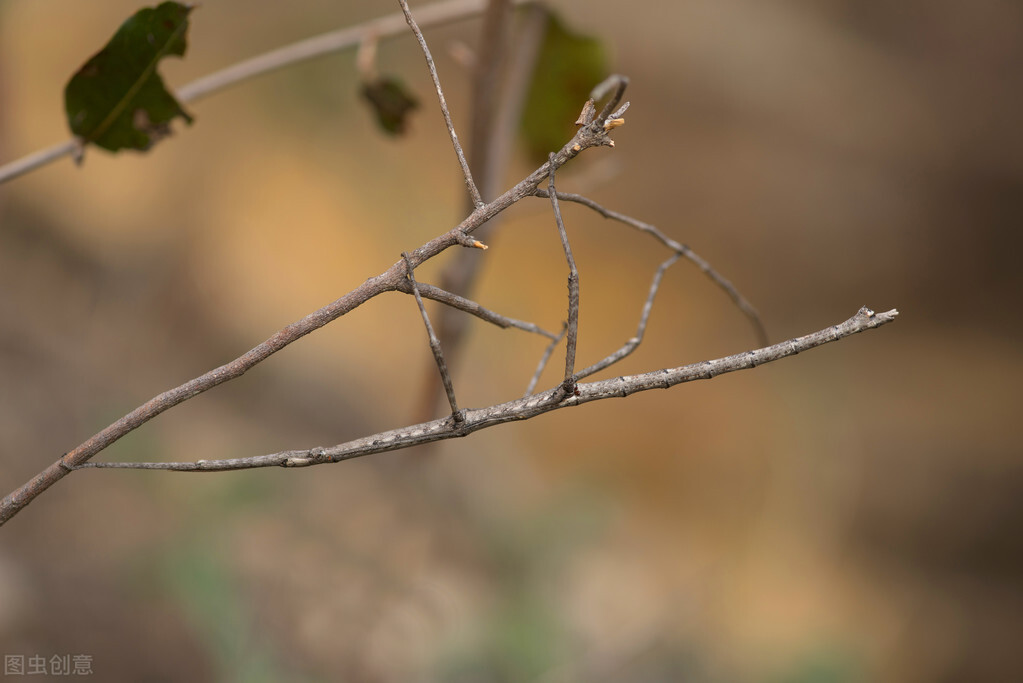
column 567, row 68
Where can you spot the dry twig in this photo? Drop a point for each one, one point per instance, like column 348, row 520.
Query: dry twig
column 473, row 190
column 527, row 407
column 438, row 355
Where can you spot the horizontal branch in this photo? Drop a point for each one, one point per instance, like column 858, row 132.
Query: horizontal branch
column 303, row 50
column 469, row 421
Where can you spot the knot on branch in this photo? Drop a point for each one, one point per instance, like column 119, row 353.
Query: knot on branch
column 459, row 424
column 567, row 389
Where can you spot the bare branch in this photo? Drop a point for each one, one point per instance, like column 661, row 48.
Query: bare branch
column 723, row 283
column 438, row 355
column 528, row 407
column 473, row 190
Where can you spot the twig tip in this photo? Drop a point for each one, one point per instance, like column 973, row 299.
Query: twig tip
column 587, row 114
column 467, row 241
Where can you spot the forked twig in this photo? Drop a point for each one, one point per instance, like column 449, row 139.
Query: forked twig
column 631, row 345
column 619, row 83
column 548, row 352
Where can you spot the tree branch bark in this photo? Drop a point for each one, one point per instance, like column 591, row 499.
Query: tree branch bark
column 527, row 407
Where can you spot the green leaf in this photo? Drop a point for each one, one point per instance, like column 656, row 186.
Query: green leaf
column 390, row 101
column 117, row 99
column 567, row 68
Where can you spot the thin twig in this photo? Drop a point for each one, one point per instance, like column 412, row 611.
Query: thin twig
column 474, row 192
column 631, row 345
column 37, row 159
column 527, row 407
column 471, row 307
column 438, row 354
column 543, row 361
column 309, row 48
column 723, row 283
column 619, row 83
column 573, row 285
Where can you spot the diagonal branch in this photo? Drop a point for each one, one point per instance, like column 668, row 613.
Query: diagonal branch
column 529, row 406
column 473, row 190
column 438, row 355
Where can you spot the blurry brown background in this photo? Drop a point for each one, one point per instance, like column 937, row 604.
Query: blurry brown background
column 851, row 514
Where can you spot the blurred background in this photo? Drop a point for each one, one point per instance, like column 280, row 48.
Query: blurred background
column 851, row 514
